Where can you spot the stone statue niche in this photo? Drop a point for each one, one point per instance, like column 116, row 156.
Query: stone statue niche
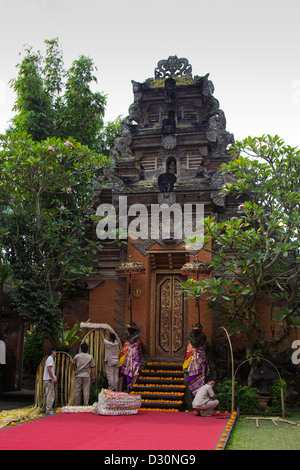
column 169, row 124
column 171, row 166
column 167, row 180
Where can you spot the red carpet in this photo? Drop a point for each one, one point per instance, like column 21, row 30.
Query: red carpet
column 147, row 430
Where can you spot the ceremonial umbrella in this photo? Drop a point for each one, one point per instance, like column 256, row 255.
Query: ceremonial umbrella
column 195, row 268
column 128, row 268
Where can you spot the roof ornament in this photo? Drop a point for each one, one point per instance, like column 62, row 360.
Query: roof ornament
column 173, row 67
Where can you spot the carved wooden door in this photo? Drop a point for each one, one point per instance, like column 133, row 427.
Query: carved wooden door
column 170, row 322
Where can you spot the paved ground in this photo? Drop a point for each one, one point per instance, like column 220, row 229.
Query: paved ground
column 19, row 399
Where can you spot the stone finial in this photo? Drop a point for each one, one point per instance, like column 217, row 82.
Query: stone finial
column 173, row 67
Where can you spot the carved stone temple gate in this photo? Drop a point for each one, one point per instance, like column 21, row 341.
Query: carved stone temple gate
column 169, row 152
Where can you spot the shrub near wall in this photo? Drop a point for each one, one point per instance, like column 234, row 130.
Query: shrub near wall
column 245, row 398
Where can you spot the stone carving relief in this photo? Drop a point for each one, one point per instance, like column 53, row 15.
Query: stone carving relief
column 173, row 67
column 165, row 118
column 169, row 141
column 170, row 90
column 169, row 124
column 217, row 134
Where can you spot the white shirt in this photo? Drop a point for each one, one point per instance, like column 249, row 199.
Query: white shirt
column 203, row 395
column 49, row 363
column 111, row 351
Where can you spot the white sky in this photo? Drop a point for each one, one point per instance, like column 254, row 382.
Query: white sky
column 251, row 50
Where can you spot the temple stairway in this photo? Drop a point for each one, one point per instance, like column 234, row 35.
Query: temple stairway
column 161, row 386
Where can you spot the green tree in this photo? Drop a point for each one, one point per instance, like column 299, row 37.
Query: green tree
column 46, row 210
column 53, row 152
column 108, row 134
column 34, row 112
column 255, row 252
column 52, row 102
column 81, row 111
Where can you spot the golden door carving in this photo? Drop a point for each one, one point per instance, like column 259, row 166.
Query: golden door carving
column 170, row 317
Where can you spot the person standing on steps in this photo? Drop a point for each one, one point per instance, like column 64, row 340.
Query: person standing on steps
column 198, row 368
column 132, row 355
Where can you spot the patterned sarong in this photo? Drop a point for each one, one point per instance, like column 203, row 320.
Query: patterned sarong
column 123, row 353
column 198, row 370
column 188, row 356
column 132, row 363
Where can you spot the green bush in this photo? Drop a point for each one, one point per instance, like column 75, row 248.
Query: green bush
column 276, row 404
column 248, row 400
column 244, row 398
column 223, row 394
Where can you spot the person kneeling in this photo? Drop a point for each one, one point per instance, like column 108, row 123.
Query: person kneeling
column 205, row 399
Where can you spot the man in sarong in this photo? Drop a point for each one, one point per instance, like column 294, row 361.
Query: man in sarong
column 198, row 369
column 132, row 354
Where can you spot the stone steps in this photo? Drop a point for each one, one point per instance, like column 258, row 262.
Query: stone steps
column 161, row 386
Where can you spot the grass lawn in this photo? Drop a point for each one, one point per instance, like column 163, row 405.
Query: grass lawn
column 246, row 436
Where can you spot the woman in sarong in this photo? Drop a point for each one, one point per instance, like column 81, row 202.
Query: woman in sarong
column 131, row 355
column 198, row 369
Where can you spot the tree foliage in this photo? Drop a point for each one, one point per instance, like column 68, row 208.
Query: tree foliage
column 55, row 149
column 53, row 102
column 46, row 209
column 256, row 252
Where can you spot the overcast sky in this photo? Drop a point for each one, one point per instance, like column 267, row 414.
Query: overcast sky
column 250, row 49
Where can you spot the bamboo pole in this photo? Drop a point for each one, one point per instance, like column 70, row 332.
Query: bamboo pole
column 232, row 369
column 96, row 346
